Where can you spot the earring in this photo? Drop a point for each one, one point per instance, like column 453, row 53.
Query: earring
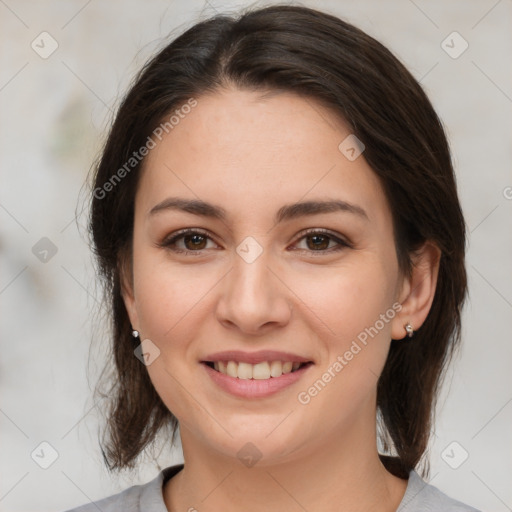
column 409, row 330
column 135, row 333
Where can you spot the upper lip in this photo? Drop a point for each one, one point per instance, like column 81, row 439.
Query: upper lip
column 255, row 357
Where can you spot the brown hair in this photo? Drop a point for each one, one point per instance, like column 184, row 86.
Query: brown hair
column 318, row 56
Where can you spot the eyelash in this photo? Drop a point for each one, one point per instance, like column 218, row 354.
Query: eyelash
column 172, row 239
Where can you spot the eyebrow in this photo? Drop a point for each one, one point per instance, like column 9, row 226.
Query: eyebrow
column 287, row 212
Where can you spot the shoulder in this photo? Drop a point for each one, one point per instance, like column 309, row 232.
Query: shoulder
column 138, row 498
column 423, row 497
column 127, row 500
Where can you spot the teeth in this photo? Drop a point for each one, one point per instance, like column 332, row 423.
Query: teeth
column 244, row 371
column 276, row 369
column 287, row 367
column 232, row 369
column 260, row 371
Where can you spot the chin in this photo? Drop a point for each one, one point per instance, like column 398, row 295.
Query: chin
column 255, row 447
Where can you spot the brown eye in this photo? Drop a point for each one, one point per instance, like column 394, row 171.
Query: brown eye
column 317, row 242
column 320, row 241
column 194, row 242
column 188, row 241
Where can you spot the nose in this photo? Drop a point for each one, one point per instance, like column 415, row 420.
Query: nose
column 253, row 299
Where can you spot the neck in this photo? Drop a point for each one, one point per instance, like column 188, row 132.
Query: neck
column 336, row 474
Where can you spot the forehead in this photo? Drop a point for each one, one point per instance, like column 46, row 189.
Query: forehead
column 244, row 149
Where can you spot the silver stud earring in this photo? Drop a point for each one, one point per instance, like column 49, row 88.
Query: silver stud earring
column 135, row 333
column 409, row 330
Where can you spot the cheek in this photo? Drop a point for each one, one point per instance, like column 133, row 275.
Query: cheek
column 352, row 307
column 354, row 311
column 169, row 302
column 348, row 299
column 166, row 295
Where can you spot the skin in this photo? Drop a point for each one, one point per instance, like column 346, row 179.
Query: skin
column 251, row 155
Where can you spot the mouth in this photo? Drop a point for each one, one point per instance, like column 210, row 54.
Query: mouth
column 263, row 370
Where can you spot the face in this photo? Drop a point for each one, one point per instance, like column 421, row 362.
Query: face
column 317, row 283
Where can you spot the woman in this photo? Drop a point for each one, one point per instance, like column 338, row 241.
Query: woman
column 276, row 219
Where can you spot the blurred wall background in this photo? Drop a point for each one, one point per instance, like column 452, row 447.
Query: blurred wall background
column 63, row 67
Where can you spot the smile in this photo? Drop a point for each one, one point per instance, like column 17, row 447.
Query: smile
column 260, row 371
column 255, row 381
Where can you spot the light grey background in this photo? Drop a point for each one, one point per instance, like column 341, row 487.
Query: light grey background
column 54, row 112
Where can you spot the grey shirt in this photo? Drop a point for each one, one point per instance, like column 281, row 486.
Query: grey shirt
column 419, row 497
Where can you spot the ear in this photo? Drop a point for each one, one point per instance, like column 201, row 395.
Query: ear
column 417, row 290
column 127, row 289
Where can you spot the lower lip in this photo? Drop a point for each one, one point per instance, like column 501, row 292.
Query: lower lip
column 255, row 388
